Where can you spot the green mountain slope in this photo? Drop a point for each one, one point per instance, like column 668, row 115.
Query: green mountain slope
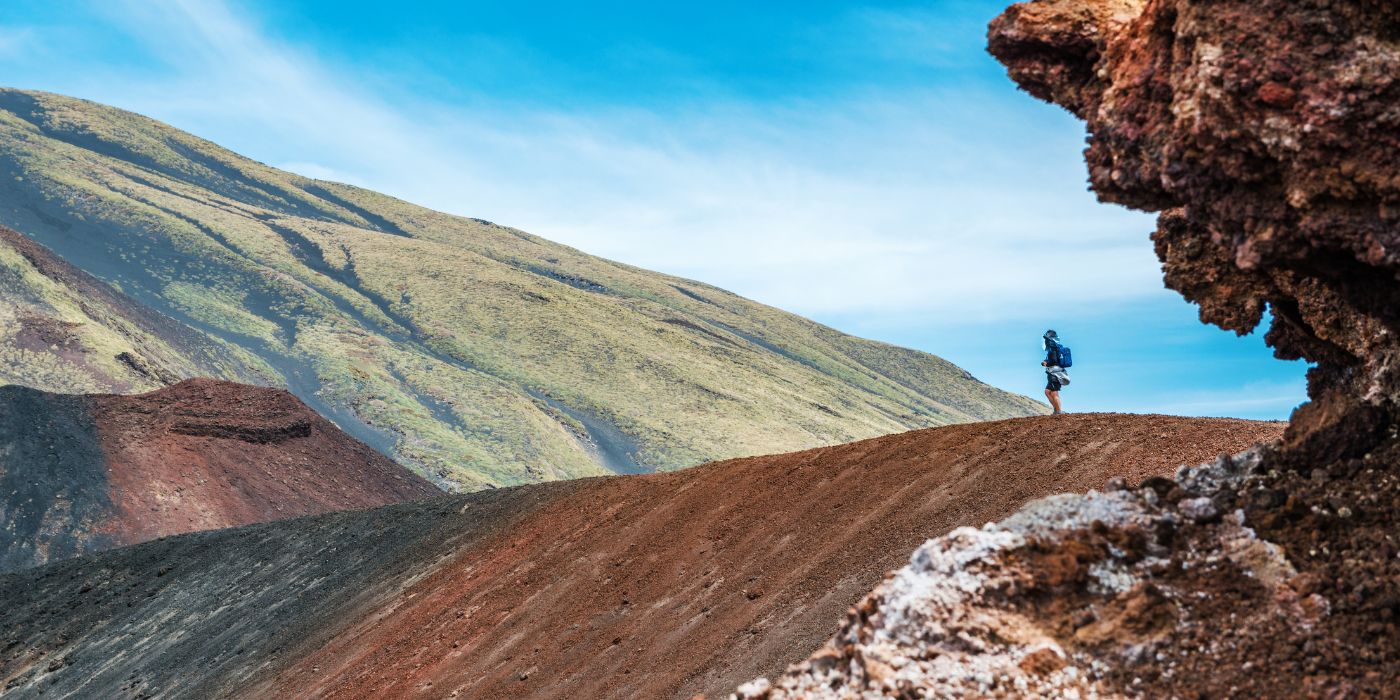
column 478, row 354
column 64, row 330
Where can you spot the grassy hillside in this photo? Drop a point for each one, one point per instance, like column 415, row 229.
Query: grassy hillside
column 63, row 330
column 476, row 353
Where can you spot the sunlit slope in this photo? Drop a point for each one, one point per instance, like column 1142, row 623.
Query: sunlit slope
column 477, row 353
column 64, row 330
column 650, row 586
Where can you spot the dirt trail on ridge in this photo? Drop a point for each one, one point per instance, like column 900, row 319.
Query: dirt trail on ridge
column 657, row 585
column 672, row 584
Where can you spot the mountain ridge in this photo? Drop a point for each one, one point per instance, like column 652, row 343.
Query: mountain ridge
column 654, row 585
column 478, row 354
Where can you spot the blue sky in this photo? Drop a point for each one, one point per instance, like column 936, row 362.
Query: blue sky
column 864, row 164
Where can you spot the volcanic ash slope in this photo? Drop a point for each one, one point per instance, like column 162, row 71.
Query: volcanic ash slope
column 83, row 473
column 64, row 330
column 658, row 585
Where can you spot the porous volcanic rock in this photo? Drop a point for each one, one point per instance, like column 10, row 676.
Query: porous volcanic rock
column 1266, row 134
column 1214, row 583
column 82, row 473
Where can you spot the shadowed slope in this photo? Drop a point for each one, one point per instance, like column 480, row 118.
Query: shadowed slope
column 383, row 315
column 62, row 329
column 644, row 586
column 85, row 473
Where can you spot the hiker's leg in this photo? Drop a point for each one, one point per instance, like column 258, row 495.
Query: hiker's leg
column 1054, row 397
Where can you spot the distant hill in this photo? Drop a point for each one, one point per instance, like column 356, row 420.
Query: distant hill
column 64, row 330
column 478, row 354
column 80, row 474
column 648, row 586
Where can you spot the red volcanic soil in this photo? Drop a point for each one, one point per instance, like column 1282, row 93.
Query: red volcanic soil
column 206, row 454
column 84, row 473
column 672, row 584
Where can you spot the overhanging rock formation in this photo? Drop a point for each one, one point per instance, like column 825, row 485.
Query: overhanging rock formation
column 1267, row 133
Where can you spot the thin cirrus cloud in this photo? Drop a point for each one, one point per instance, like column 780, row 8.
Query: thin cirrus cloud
column 1265, row 399
column 15, row 41
column 871, row 200
column 868, row 167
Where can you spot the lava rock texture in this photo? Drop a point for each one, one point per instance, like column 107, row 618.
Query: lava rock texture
column 1267, row 133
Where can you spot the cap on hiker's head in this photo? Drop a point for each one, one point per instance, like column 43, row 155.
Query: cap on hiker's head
column 1051, row 334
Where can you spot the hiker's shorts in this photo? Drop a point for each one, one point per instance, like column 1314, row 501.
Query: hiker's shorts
column 1051, row 383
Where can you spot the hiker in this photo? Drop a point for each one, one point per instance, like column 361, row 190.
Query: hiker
column 1057, row 359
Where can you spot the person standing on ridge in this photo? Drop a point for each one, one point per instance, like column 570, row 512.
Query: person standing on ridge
column 1057, row 359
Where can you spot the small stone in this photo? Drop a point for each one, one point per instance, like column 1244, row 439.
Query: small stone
column 1199, row 509
column 825, row 660
column 1264, row 498
column 754, row 689
column 1160, row 484
column 1277, row 95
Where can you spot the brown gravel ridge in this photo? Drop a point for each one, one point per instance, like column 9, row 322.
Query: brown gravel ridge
column 671, row 584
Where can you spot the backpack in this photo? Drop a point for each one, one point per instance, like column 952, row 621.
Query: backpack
column 1066, row 360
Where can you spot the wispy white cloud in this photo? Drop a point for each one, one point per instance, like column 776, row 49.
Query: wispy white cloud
column 16, row 40
column 921, row 36
column 938, row 204
column 1255, row 399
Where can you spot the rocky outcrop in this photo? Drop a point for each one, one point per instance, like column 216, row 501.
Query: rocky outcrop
column 1265, row 132
column 1232, row 578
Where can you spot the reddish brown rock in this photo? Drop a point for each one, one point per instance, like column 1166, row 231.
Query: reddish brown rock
column 84, row 473
column 1268, row 134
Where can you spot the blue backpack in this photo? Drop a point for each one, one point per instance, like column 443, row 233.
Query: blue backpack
column 1066, row 359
